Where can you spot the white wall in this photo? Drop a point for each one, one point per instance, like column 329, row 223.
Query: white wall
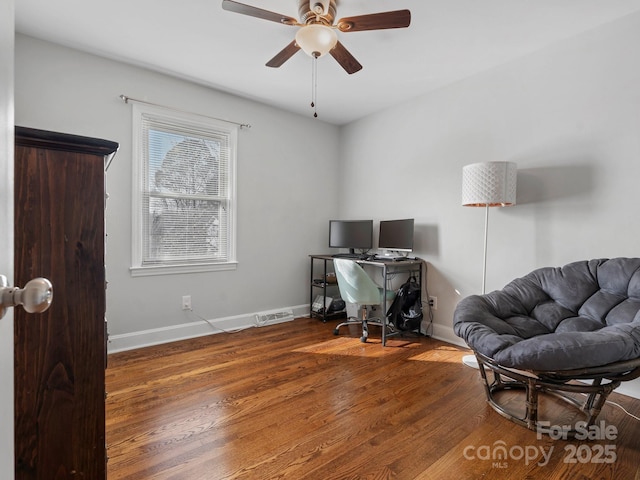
column 6, row 233
column 568, row 115
column 287, row 166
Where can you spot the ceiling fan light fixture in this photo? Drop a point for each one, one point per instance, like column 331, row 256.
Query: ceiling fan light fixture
column 316, row 40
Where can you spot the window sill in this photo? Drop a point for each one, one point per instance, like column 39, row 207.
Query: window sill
column 181, row 269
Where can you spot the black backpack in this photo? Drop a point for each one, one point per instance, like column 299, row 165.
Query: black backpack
column 405, row 313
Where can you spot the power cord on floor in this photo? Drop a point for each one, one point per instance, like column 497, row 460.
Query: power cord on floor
column 216, row 327
column 623, row 409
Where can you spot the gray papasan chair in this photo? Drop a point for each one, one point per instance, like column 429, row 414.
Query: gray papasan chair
column 552, row 327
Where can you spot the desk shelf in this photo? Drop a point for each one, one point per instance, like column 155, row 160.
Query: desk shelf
column 323, row 289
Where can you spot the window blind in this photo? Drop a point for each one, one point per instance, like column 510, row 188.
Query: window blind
column 186, row 209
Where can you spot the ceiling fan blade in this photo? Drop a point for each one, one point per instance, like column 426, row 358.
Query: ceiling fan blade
column 375, row 21
column 237, row 7
column 345, row 59
column 285, row 54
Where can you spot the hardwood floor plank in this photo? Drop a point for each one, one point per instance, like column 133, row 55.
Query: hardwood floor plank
column 294, row 401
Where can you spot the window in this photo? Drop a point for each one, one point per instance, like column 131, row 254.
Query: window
column 184, row 192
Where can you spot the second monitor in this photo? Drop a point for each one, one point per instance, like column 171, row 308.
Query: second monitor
column 396, row 236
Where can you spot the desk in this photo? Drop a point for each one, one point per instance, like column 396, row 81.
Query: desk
column 386, row 268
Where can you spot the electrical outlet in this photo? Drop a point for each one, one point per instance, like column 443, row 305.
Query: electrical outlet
column 186, row 302
column 433, row 301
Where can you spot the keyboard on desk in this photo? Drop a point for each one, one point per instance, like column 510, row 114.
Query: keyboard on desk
column 352, row 256
column 391, row 259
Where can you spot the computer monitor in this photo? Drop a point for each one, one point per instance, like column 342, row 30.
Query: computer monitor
column 351, row 234
column 396, row 235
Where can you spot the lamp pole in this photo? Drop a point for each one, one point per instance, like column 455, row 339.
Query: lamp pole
column 486, row 237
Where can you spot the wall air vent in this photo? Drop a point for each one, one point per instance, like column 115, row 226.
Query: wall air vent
column 271, row 318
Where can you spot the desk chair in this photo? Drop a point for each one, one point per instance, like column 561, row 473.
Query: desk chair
column 356, row 287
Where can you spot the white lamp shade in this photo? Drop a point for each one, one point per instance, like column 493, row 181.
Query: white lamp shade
column 316, row 40
column 491, row 184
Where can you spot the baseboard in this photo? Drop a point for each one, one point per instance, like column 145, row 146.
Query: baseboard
column 446, row 334
column 630, row 389
column 200, row 328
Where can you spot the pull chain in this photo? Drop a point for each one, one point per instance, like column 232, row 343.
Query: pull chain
column 314, row 84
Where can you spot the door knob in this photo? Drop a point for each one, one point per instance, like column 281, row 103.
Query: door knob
column 35, row 297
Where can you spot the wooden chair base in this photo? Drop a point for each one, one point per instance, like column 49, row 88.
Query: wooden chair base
column 594, row 384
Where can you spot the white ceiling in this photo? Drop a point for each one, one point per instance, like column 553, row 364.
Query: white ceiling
column 448, row 40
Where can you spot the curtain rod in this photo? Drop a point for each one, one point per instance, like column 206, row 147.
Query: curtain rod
column 126, row 99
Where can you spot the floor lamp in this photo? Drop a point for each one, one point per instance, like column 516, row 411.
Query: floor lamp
column 488, row 184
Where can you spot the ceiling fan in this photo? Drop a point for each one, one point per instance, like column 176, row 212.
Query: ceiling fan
column 317, row 33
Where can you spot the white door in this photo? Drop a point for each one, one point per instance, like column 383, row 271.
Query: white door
column 7, row 32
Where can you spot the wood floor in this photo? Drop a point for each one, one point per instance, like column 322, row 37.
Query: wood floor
column 294, row 401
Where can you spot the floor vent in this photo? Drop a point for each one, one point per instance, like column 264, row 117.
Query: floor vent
column 271, row 318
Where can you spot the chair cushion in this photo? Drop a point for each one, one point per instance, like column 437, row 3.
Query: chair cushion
column 354, row 283
column 582, row 315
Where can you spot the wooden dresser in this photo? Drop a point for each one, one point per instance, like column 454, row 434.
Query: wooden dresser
column 60, row 355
